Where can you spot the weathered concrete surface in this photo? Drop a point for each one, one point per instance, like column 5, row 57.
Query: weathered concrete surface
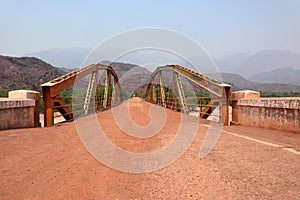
column 19, row 110
column 236, row 96
column 24, row 94
column 245, row 94
column 29, row 94
column 281, row 113
column 16, row 113
column 275, row 113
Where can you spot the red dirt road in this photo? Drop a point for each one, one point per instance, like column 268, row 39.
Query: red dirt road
column 52, row 163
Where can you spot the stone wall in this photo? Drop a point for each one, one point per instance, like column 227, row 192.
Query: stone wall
column 275, row 113
column 19, row 110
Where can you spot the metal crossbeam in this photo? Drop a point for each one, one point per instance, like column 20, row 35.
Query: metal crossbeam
column 216, row 88
column 180, row 92
column 90, row 91
column 161, row 90
column 210, row 84
column 107, row 89
column 53, row 88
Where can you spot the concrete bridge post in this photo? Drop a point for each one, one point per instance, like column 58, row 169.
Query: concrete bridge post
column 29, row 94
column 20, row 110
column 238, row 95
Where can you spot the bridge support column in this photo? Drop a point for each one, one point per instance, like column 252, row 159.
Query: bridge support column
column 115, row 92
column 238, row 95
column 90, row 91
column 48, row 107
column 182, row 99
column 107, row 89
column 29, row 94
column 224, row 106
column 161, row 90
column 152, row 91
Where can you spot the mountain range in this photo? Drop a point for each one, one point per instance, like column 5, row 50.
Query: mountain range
column 25, row 72
column 238, row 82
column 266, row 66
column 63, row 57
column 283, row 75
column 30, row 72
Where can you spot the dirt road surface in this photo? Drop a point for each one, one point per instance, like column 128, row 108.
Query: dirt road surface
column 246, row 163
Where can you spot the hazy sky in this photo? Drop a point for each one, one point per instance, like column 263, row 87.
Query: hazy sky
column 223, row 27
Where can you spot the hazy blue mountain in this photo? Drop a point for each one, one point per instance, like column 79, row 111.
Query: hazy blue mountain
column 63, row 57
column 266, row 66
column 232, row 62
column 238, row 82
column 67, row 69
column 267, row 60
column 285, row 75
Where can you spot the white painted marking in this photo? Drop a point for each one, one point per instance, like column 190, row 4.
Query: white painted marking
column 291, row 150
column 254, row 140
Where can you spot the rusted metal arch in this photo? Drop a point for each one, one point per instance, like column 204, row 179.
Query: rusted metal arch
column 51, row 90
column 215, row 87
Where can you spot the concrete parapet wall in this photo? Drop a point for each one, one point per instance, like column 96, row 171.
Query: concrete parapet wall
column 245, row 94
column 19, row 110
column 276, row 113
column 24, row 94
column 6, row 103
column 285, row 102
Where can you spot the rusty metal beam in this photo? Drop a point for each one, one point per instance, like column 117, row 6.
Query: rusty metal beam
column 224, row 107
column 107, row 89
column 53, row 88
column 90, row 91
column 60, row 105
column 211, row 85
column 62, row 82
column 161, row 90
column 215, row 87
column 207, row 109
column 180, row 92
column 152, row 91
column 48, row 106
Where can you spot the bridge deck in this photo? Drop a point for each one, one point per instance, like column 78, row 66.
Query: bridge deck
column 52, row 163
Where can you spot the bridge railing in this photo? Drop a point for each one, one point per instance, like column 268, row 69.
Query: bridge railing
column 198, row 106
column 67, row 110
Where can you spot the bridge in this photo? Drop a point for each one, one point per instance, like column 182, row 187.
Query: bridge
column 52, row 89
column 248, row 161
column 219, row 92
column 155, row 93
